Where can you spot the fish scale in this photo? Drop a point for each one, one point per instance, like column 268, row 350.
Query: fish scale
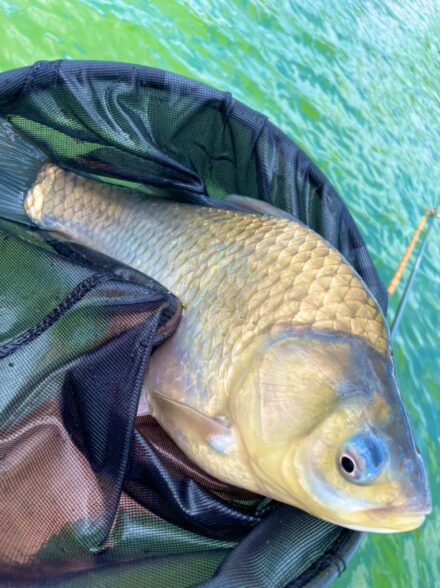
column 250, row 270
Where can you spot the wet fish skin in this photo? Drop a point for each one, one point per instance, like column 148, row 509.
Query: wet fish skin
column 281, row 349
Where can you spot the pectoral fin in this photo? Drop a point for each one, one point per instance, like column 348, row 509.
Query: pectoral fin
column 246, row 204
column 214, row 431
column 143, row 406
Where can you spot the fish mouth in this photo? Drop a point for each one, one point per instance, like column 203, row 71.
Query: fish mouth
column 394, row 521
column 383, row 520
column 398, row 525
column 391, row 519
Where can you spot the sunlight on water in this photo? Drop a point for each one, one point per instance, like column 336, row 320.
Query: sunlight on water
column 356, row 85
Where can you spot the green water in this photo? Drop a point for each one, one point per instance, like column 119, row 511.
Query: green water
column 357, row 85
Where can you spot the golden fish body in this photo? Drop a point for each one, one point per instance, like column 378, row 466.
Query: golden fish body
column 278, row 378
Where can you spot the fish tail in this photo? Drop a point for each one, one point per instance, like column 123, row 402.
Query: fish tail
column 20, row 162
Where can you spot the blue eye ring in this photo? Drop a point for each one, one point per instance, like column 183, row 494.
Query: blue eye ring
column 362, row 458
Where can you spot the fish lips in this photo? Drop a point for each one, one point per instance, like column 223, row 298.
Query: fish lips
column 399, row 523
column 394, row 520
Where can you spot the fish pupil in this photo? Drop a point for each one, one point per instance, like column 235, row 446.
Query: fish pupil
column 347, row 464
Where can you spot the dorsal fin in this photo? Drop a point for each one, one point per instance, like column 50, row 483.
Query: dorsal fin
column 246, row 204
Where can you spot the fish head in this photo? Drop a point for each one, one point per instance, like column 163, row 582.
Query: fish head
column 324, row 428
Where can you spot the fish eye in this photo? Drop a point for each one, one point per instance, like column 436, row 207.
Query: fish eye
column 362, row 458
column 348, row 464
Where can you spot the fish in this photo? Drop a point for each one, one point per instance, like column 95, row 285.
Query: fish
column 279, row 378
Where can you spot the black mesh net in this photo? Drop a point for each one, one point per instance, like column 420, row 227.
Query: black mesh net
column 90, row 494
